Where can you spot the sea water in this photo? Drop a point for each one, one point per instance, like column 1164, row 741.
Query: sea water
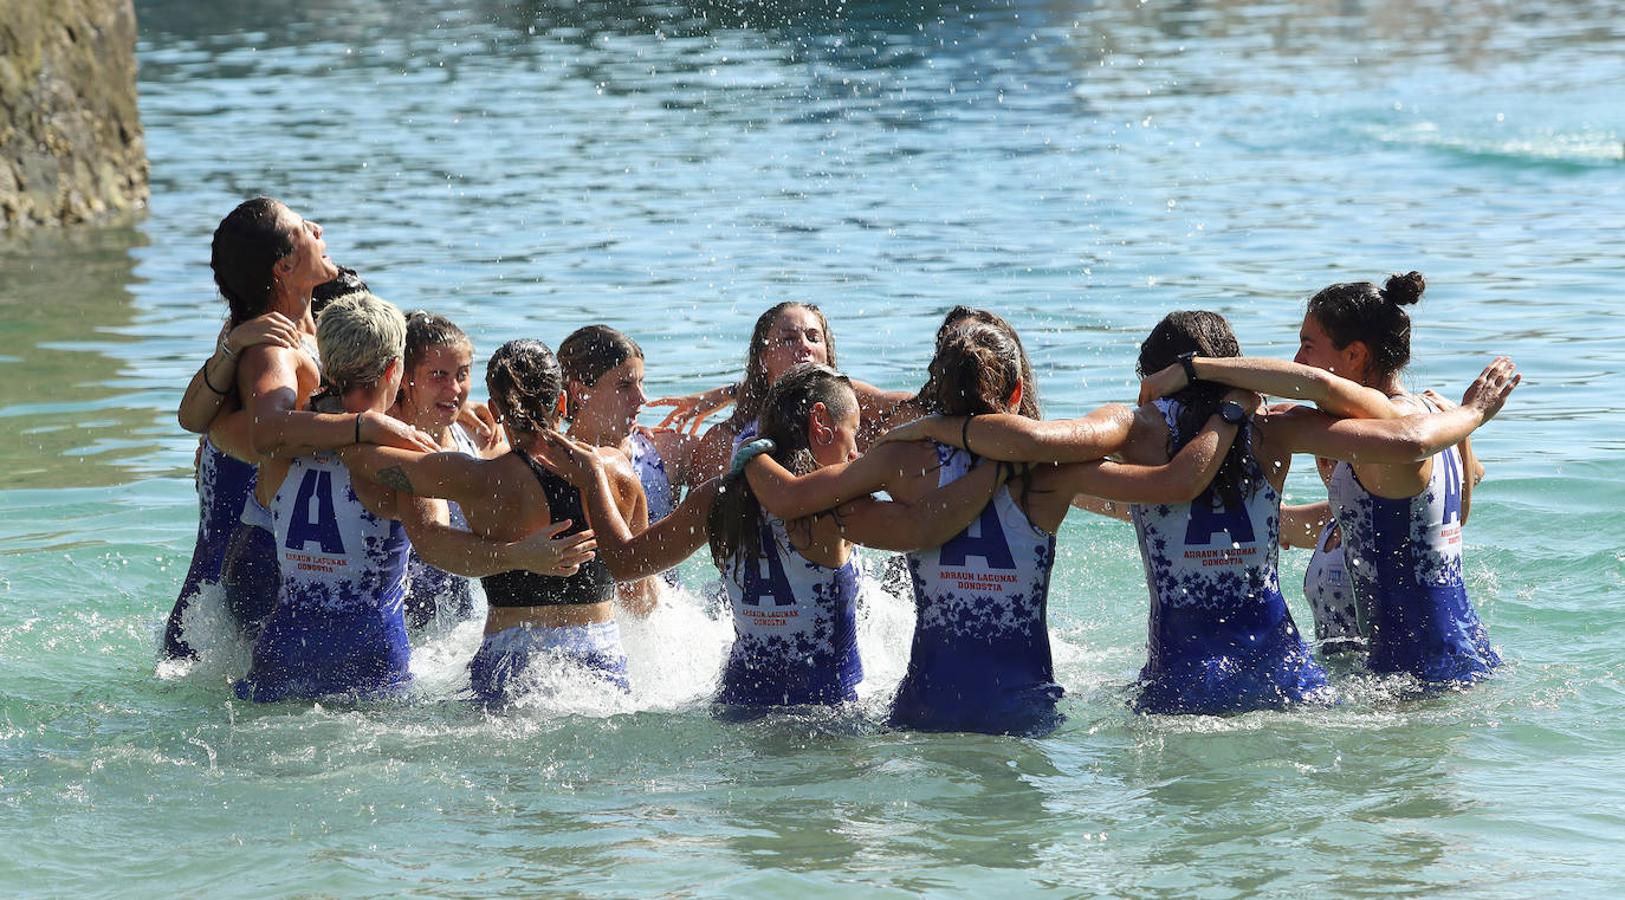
column 673, row 169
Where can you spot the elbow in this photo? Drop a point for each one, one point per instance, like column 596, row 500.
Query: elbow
column 190, row 424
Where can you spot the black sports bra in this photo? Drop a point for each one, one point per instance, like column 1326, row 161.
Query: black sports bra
column 591, row 583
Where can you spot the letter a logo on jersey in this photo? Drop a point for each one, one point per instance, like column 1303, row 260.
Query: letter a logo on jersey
column 1452, row 487
column 984, row 538
column 1210, row 515
column 312, row 517
column 759, row 586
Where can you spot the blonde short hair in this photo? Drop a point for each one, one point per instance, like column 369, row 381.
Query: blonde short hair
column 358, row 336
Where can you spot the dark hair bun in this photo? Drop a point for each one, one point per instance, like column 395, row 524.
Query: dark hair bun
column 1403, row 290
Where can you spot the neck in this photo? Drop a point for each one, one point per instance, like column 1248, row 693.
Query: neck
column 370, row 398
column 296, row 306
column 598, row 434
column 1388, row 384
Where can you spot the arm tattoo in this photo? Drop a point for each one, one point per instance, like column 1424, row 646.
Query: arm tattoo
column 393, row 477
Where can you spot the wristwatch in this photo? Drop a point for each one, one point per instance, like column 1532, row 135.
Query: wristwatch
column 1232, row 413
column 1189, row 367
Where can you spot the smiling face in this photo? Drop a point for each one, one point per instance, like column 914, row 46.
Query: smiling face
column 308, row 264
column 797, row 336
column 611, row 403
column 435, row 390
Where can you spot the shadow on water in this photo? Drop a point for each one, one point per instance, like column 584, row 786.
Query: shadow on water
column 64, row 304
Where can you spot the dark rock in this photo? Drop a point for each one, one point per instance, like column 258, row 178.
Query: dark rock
column 70, row 133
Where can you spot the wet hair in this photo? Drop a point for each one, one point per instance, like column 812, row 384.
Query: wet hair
column 1359, row 311
column 592, row 350
column 347, row 282
column 524, row 381
column 358, row 336
column 753, row 390
column 247, row 243
column 734, row 523
column 976, row 368
column 1206, row 334
column 962, row 314
column 425, row 329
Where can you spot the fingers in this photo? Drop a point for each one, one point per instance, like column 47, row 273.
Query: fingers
column 554, row 529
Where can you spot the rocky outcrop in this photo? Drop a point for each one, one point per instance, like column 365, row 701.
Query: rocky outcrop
column 70, row 134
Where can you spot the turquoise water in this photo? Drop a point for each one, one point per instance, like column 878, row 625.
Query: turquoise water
column 674, row 168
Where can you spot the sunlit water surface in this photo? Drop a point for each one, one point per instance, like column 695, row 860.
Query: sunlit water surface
column 672, row 169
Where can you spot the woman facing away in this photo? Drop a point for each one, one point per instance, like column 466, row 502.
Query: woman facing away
column 338, row 626
column 1221, row 638
column 530, row 616
column 792, row 584
column 434, row 399
column 980, row 659
column 1400, row 520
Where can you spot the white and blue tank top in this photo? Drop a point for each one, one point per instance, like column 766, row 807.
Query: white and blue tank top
column 1404, row 559
column 433, row 593
column 795, row 626
column 1339, row 621
column 1220, row 637
column 338, row 627
column 651, row 469
column 980, row 659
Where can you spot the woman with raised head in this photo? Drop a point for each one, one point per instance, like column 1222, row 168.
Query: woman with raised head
column 792, row 583
column 981, row 655
column 1400, row 519
column 268, row 264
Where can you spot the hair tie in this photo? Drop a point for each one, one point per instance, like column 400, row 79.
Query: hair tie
column 749, row 451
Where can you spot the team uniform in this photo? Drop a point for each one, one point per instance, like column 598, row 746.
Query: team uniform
column 596, row 646
column 1220, row 636
column 222, row 484
column 1404, row 557
column 795, row 626
column 1339, row 620
column 657, row 488
column 339, row 626
column 980, row 659
column 435, row 593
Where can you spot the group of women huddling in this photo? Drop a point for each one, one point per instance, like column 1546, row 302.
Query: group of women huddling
column 350, row 491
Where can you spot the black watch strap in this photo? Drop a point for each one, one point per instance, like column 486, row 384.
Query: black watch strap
column 1232, row 413
column 1189, row 367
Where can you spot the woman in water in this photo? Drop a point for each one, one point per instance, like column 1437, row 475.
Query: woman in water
column 434, row 399
column 792, row 584
column 785, row 335
column 603, row 379
column 1221, row 638
column 981, row 655
column 510, row 497
column 268, row 265
column 1400, row 520
column 339, row 626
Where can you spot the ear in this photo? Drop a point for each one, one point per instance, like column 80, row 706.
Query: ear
column 575, row 390
column 820, row 425
column 1356, row 356
column 1016, row 395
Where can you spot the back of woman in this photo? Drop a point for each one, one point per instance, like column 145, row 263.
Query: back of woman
column 980, row 659
column 1220, row 636
column 795, row 624
column 1404, row 556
